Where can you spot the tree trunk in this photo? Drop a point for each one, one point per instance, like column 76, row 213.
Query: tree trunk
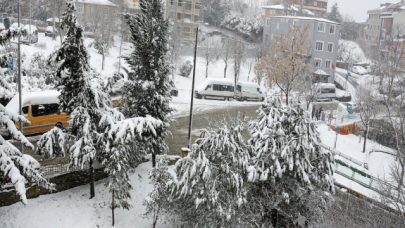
column 91, row 179
column 113, row 207
column 103, row 61
column 401, row 179
column 286, row 97
column 274, row 217
column 365, row 139
column 226, row 67
column 153, row 160
column 206, row 70
column 334, row 147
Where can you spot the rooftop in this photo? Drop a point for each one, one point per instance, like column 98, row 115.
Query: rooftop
column 307, row 18
column 96, row 2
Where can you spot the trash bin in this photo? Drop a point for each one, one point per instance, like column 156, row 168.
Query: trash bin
column 184, row 152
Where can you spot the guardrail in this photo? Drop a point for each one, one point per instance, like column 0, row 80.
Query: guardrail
column 334, row 152
column 369, row 181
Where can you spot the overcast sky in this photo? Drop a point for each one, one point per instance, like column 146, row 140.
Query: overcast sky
column 357, row 8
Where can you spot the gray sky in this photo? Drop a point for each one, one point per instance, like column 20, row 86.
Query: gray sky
column 357, row 8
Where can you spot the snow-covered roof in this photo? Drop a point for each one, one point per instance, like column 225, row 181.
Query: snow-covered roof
column 321, row 72
column 51, row 20
column 96, row 2
column 308, row 19
column 27, row 98
column 281, row 7
column 249, row 84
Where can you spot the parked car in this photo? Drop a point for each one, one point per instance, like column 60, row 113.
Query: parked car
column 15, row 25
column 325, row 91
column 49, row 31
column 174, row 92
column 359, row 70
column 216, row 89
column 246, row 91
column 31, row 37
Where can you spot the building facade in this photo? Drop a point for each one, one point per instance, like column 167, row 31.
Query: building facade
column 318, row 7
column 322, row 34
column 86, row 9
column 379, row 20
column 186, row 15
column 278, row 10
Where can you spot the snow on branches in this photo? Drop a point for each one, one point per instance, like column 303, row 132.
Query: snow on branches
column 209, row 188
column 12, row 161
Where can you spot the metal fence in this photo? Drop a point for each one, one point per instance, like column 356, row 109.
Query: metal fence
column 59, row 169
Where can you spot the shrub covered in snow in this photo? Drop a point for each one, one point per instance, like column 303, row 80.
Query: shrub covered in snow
column 246, row 26
column 186, row 68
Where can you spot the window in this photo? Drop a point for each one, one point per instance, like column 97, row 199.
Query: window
column 318, row 62
column 366, row 36
column 321, row 27
column 328, row 64
column 171, row 14
column 171, row 2
column 180, row 2
column 315, row 3
column 223, row 88
column 332, row 29
column 239, row 88
column 25, row 110
column 319, row 46
column 267, row 22
column 79, row 8
column 330, row 47
column 44, row 109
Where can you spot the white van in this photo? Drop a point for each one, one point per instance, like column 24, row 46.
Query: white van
column 325, row 91
column 31, row 37
column 216, row 89
column 246, row 91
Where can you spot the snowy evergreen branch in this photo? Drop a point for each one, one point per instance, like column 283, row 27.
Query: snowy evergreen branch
column 8, row 34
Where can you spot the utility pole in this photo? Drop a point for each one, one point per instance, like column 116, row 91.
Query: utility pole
column 190, row 125
column 19, row 75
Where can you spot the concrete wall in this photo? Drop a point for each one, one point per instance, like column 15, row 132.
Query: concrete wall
column 284, row 26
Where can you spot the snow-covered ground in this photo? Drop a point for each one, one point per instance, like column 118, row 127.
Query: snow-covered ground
column 73, row 208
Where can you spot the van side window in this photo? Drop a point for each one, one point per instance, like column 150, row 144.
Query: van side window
column 328, row 90
column 44, row 109
column 25, row 110
column 217, row 87
column 239, row 88
column 208, row 86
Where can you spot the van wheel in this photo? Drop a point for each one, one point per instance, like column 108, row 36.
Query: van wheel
column 203, row 97
column 225, row 98
column 59, row 125
column 262, row 99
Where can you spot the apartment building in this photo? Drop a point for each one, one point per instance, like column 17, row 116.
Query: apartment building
column 278, row 10
column 186, row 14
column 318, row 7
column 323, row 35
column 379, row 21
column 85, row 9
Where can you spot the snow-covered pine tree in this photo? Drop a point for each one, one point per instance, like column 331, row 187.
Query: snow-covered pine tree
column 147, row 91
column 157, row 201
column 209, row 188
column 115, row 146
column 334, row 14
column 81, row 97
column 12, row 162
column 7, row 91
column 288, row 170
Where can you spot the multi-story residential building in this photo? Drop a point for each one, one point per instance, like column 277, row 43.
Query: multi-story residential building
column 85, row 9
column 186, row 15
column 318, row 7
column 133, row 5
column 278, row 10
column 323, row 35
column 378, row 18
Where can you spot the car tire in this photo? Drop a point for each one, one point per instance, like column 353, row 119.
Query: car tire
column 59, row 125
column 203, row 97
